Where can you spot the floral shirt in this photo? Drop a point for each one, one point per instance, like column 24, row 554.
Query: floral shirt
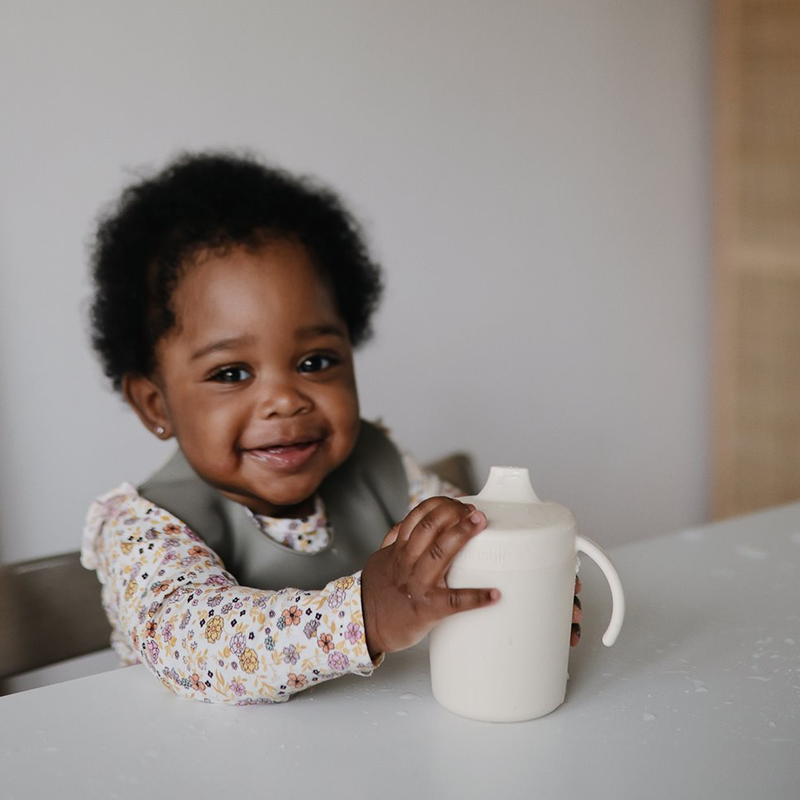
column 174, row 607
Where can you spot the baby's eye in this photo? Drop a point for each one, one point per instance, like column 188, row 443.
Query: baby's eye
column 231, row 375
column 316, row 363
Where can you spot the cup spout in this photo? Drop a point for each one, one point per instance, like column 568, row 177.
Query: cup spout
column 508, row 485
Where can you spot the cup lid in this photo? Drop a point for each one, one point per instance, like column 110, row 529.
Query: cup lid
column 510, row 503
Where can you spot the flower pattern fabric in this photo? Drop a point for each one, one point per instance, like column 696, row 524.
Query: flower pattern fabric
column 306, row 535
column 174, row 607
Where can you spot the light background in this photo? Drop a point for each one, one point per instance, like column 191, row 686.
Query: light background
column 533, row 175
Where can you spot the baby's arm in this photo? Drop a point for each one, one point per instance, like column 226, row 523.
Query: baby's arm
column 197, row 630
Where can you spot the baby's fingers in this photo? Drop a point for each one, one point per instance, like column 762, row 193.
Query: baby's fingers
column 433, row 563
column 391, row 537
column 429, row 515
column 577, row 610
column 446, row 602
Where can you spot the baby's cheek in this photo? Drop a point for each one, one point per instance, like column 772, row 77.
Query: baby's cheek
column 345, row 438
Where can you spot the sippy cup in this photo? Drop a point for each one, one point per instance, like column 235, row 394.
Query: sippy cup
column 508, row 662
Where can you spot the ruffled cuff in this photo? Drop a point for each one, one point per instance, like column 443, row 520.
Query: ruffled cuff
column 102, row 510
column 365, row 666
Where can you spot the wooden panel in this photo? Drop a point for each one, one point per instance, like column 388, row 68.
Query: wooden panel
column 767, row 417
column 770, row 123
column 757, row 277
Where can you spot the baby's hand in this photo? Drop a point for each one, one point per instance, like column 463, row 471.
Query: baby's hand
column 577, row 615
column 403, row 589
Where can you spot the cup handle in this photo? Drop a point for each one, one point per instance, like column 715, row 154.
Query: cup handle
column 587, row 546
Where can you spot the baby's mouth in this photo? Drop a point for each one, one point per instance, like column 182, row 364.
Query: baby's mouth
column 289, row 455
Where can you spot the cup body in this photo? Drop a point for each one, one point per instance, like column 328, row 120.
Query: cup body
column 507, row 662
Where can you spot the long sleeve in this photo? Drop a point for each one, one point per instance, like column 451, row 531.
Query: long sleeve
column 174, row 607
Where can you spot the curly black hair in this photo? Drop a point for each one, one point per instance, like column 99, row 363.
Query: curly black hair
column 213, row 200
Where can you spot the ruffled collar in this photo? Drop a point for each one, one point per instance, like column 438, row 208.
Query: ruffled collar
column 309, row 534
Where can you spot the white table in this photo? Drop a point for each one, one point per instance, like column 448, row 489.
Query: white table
column 699, row 698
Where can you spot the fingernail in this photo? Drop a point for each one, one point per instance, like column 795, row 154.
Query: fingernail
column 494, row 594
column 476, row 517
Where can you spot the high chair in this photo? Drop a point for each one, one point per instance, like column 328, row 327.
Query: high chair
column 49, row 611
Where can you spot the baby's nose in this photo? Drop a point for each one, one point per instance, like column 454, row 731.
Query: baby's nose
column 284, row 399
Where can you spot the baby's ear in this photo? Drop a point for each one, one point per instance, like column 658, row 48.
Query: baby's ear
column 147, row 400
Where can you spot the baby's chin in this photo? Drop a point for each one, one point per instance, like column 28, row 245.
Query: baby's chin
column 304, row 508
column 278, row 504
column 279, row 496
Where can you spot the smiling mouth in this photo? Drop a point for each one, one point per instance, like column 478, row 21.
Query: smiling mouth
column 285, row 456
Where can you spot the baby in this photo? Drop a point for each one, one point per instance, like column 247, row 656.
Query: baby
column 228, row 299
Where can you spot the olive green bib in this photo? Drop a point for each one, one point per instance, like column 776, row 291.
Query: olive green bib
column 363, row 498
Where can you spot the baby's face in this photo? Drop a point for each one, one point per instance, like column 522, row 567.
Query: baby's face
column 257, row 377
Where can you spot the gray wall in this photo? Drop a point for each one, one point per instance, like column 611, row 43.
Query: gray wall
column 534, row 176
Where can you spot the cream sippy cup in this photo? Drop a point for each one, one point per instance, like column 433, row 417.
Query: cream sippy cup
column 508, row 662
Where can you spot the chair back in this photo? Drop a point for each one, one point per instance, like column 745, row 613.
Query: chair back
column 457, row 470
column 50, row 611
